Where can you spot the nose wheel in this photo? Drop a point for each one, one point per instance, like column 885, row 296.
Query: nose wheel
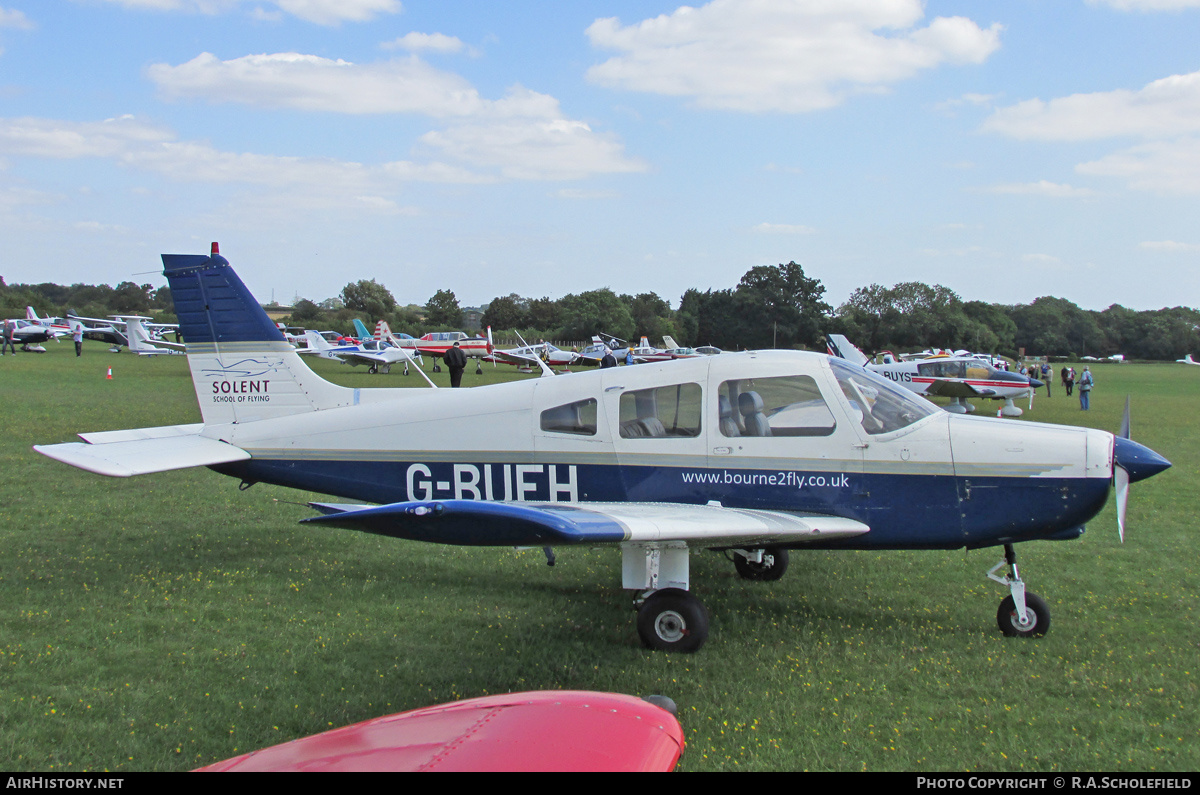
column 1021, row 614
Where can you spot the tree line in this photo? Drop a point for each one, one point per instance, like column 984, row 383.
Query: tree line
column 770, row 307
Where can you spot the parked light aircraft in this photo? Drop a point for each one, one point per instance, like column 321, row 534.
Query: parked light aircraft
column 438, row 342
column 59, row 324
column 529, row 355
column 28, row 334
column 751, row 454
column 955, row 377
column 142, row 342
column 376, row 354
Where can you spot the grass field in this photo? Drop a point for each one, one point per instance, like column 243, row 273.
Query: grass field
column 169, row 621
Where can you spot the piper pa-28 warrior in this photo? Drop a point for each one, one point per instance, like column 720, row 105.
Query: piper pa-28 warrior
column 955, row 377
column 751, row 454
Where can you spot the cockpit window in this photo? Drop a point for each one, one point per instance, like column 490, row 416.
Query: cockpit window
column 880, row 405
column 667, row 411
column 789, row 405
column 577, row 418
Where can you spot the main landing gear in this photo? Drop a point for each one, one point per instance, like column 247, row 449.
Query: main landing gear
column 1021, row 614
column 669, row 617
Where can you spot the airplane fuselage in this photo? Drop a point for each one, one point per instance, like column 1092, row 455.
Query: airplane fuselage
column 920, row 376
column 934, row 480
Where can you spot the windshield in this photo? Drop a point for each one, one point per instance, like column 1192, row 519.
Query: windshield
column 880, row 405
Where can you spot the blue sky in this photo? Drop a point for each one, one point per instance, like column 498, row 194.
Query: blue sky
column 1005, row 150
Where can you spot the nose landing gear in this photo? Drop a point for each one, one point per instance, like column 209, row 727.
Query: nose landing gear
column 1021, row 614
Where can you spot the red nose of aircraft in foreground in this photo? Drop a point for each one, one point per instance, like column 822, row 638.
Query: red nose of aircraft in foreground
column 751, row 455
column 548, row 731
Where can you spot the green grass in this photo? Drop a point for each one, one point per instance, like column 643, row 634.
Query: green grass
column 169, row 621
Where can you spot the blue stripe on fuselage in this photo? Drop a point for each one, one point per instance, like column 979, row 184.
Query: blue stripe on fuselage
column 903, row 511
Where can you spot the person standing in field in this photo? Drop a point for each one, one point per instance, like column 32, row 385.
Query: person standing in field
column 77, row 335
column 8, row 338
column 456, row 361
column 1085, row 389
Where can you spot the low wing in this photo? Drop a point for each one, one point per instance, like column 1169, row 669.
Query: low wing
column 510, row 357
column 957, row 389
column 165, row 345
column 362, row 357
column 481, row 523
column 141, row 451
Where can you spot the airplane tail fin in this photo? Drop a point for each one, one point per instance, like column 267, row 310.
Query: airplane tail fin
column 242, row 366
column 492, row 348
column 670, row 343
column 382, row 330
column 32, row 315
column 841, row 347
column 360, row 329
column 316, row 342
column 137, row 336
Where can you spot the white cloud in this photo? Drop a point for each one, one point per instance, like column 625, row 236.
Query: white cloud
column 1041, row 259
column 1147, row 5
column 784, row 229
column 321, row 12
column 143, row 147
column 12, row 18
column 523, row 135
column 1166, row 107
column 312, row 83
column 1042, row 188
column 588, row 195
column 1167, row 167
column 791, row 56
column 1170, row 246
column 426, row 42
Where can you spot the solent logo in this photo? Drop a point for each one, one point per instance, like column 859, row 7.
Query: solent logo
column 240, row 381
column 243, row 368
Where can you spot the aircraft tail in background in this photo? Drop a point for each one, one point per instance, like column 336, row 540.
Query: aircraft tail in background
column 841, row 347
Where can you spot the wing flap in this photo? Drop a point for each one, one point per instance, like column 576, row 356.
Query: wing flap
column 481, row 523
column 127, row 455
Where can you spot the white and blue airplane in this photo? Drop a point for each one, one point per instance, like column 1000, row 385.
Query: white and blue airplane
column 750, row 454
column 956, row 377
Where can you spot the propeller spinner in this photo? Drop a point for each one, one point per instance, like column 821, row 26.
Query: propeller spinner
column 1131, row 462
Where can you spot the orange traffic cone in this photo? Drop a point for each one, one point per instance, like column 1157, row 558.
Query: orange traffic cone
column 109, row 376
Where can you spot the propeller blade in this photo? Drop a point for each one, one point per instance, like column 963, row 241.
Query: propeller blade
column 1121, row 481
column 1124, row 434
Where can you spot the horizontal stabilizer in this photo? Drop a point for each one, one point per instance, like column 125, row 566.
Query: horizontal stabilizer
column 481, row 523
column 122, row 454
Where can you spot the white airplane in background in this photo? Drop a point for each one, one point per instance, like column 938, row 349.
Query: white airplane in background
column 653, row 460
column 1187, row 360
column 142, row 342
column 530, row 355
column 955, row 377
column 29, row 335
column 60, row 324
column 378, row 355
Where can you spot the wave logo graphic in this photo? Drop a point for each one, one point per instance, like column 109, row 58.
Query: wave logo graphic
column 243, row 368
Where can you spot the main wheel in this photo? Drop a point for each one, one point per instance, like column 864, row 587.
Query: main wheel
column 373, row 369
column 672, row 620
column 766, row 572
column 1036, row 611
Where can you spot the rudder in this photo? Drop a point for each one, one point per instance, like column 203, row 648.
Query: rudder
column 242, row 366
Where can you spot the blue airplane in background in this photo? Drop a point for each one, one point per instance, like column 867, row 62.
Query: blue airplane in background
column 749, row 454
